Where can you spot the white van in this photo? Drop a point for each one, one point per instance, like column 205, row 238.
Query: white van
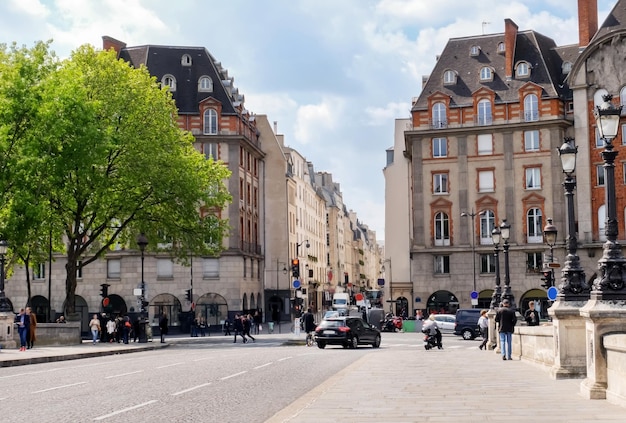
column 341, row 301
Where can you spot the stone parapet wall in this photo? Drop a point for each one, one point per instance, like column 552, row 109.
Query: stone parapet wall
column 535, row 344
column 54, row 334
column 615, row 345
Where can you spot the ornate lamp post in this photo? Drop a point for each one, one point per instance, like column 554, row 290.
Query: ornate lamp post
column 573, row 286
column 505, row 230
column 610, row 284
column 497, row 292
column 472, row 215
column 142, row 242
column 4, row 303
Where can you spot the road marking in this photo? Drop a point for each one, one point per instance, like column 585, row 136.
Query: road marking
column 169, row 365
column 123, row 374
column 285, row 358
column 191, row 389
column 262, row 365
column 236, row 374
column 59, row 387
column 124, row 410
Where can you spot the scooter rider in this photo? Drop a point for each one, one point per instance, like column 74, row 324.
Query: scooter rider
column 433, row 328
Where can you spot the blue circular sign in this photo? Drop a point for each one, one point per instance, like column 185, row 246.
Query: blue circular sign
column 296, row 284
column 474, row 295
column 552, row 293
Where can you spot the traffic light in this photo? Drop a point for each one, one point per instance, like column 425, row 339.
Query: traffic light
column 547, row 278
column 295, row 268
column 104, row 290
column 144, row 305
column 188, row 295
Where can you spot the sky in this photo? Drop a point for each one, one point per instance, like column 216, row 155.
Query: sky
column 332, row 74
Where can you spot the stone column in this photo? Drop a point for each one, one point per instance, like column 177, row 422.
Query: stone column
column 6, row 330
column 569, row 340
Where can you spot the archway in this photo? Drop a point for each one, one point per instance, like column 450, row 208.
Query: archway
column 244, row 302
column 167, row 303
column 275, row 309
column 541, row 302
column 402, row 307
column 484, row 298
column 116, row 305
column 252, row 303
column 41, row 307
column 442, row 302
column 80, row 305
column 214, row 308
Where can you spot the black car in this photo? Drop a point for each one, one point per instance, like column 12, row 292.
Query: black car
column 467, row 323
column 347, row 331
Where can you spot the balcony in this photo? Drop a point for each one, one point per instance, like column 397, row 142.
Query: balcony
column 437, row 124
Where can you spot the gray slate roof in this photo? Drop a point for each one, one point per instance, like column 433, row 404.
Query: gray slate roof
column 615, row 21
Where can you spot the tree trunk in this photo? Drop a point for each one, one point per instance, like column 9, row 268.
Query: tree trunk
column 70, row 285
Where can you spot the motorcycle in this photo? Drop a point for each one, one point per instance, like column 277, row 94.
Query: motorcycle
column 391, row 323
column 430, row 339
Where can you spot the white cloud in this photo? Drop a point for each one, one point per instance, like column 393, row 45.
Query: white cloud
column 33, row 8
column 314, row 119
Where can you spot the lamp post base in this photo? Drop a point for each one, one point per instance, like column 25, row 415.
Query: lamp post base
column 569, row 340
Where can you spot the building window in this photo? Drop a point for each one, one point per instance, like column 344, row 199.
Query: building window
column 485, row 181
column 449, row 77
column 442, row 229
column 440, row 183
column 114, row 267
column 169, row 81
column 622, row 100
column 484, row 112
column 165, row 268
column 600, row 175
column 602, row 222
column 439, row 116
column 531, row 140
column 211, row 268
column 485, row 144
column 39, row 271
column 487, row 263
column 534, row 226
column 205, row 84
column 623, row 128
column 534, row 262
column 185, row 60
column 501, row 47
column 442, row 265
column 599, row 141
column 440, row 147
column 79, row 269
column 474, row 51
column 566, row 68
column 210, row 122
column 531, row 108
column 486, row 74
column 210, row 150
column 487, row 224
column 523, row 69
column 533, row 178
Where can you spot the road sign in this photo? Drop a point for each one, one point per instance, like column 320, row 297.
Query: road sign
column 474, row 295
column 552, row 293
column 296, row 284
column 474, row 301
column 555, row 265
column 358, row 297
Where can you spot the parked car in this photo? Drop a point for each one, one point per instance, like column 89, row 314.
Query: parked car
column 467, row 323
column 347, row 331
column 446, row 322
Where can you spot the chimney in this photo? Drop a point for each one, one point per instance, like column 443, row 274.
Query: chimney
column 111, row 43
column 510, row 36
column 587, row 21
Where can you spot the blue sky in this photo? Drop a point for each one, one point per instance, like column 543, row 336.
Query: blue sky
column 333, row 74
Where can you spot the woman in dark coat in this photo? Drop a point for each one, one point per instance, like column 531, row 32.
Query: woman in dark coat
column 163, row 326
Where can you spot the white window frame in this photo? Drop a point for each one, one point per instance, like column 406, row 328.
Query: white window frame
column 522, row 69
column 39, row 271
column 599, row 141
column 439, row 116
column 210, row 150
column 484, row 143
column 114, row 268
column 486, row 181
column 484, row 112
column 442, row 229
column 531, row 140
column 449, row 77
column 487, row 224
column 165, row 268
column 169, row 81
column 185, row 60
column 486, row 74
column 531, row 108
column 442, row 265
column 534, row 219
column 501, row 47
column 439, row 144
column 210, row 267
column 487, row 264
column 622, row 100
column 209, row 122
column 474, row 51
column 440, row 183
column 533, row 178
column 602, row 223
column 600, row 176
column 205, row 84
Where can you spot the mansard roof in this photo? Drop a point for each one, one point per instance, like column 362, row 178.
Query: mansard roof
column 538, row 51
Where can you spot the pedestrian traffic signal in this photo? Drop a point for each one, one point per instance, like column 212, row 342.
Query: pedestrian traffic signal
column 547, row 278
column 144, row 305
column 188, row 295
column 295, row 268
column 104, row 290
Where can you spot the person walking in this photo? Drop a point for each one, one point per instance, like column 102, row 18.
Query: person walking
column 127, row 328
column 94, row 326
column 111, row 327
column 163, row 326
column 531, row 316
column 483, row 325
column 32, row 329
column 247, row 324
column 506, row 319
column 238, row 329
column 226, row 327
column 258, row 320
column 23, row 323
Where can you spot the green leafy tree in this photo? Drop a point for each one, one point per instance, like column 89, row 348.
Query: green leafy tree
column 111, row 162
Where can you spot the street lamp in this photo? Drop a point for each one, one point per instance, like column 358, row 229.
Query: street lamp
column 549, row 236
column 390, row 300
column 4, row 303
column 610, row 284
column 472, row 215
column 298, row 245
column 497, row 292
column 142, row 241
column 573, row 285
column 505, row 230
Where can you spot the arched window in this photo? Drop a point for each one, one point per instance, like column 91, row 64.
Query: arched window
column 523, row 70
column 210, row 122
column 439, row 118
column 622, row 99
column 487, row 224
column 185, row 60
column 484, row 112
column 449, row 77
column 531, row 108
column 602, row 223
column 169, row 81
column 442, row 229
column 486, row 74
column 205, row 84
column 597, row 97
column 566, row 68
column 501, row 47
column 534, row 226
column 474, row 51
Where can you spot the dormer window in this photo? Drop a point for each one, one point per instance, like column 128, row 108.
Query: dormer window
column 169, row 81
column 185, row 60
column 523, row 70
column 501, row 48
column 474, row 51
column 205, row 84
column 449, row 77
column 486, row 74
column 566, row 68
